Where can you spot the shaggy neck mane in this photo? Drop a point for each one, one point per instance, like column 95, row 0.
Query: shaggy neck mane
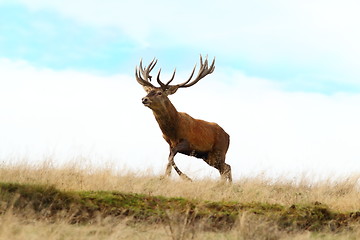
column 167, row 118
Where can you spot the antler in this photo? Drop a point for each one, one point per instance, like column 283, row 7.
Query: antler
column 203, row 71
column 142, row 74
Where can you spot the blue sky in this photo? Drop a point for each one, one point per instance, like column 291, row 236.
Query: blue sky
column 286, row 85
column 304, row 45
column 47, row 39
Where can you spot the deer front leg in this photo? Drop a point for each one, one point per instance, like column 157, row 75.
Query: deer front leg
column 181, row 146
column 168, row 168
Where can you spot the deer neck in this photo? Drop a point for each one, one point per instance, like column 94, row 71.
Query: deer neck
column 167, row 117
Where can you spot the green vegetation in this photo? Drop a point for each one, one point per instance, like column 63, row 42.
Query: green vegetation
column 48, row 203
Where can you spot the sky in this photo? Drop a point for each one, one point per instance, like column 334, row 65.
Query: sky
column 286, row 86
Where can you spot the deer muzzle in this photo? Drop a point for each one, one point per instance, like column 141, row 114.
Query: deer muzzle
column 146, row 101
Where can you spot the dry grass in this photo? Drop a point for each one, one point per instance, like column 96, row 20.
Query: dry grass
column 15, row 228
column 248, row 228
column 342, row 195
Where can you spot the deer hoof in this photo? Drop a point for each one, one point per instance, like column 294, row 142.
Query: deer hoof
column 186, row 178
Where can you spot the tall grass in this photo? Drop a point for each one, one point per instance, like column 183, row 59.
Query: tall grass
column 248, row 227
column 339, row 195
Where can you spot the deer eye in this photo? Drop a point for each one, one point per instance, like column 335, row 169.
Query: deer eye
column 159, row 93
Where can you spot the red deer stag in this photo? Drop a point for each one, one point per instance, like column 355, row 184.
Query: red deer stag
column 183, row 133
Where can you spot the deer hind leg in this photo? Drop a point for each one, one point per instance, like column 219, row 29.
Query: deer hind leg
column 182, row 146
column 225, row 172
column 217, row 160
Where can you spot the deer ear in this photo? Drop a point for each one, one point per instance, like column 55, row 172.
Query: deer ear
column 147, row 89
column 172, row 90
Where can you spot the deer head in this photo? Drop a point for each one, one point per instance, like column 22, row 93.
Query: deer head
column 157, row 96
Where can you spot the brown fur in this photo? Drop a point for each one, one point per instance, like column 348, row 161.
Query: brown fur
column 189, row 136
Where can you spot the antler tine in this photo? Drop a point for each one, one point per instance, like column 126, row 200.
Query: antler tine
column 162, row 85
column 142, row 70
column 152, row 64
column 142, row 74
column 203, row 71
column 140, row 80
column 206, row 62
column 191, row 75
column 150, row 67
column 212, row 66
column 145, row 71
column 172, row 78
column 140, row 66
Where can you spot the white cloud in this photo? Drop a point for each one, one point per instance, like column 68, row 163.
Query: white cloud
column 315, row 38
column 66, row 113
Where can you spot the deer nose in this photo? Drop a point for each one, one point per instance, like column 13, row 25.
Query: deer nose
column 145, row 100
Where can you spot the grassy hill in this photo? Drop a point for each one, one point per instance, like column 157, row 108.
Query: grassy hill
column 73, row 203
